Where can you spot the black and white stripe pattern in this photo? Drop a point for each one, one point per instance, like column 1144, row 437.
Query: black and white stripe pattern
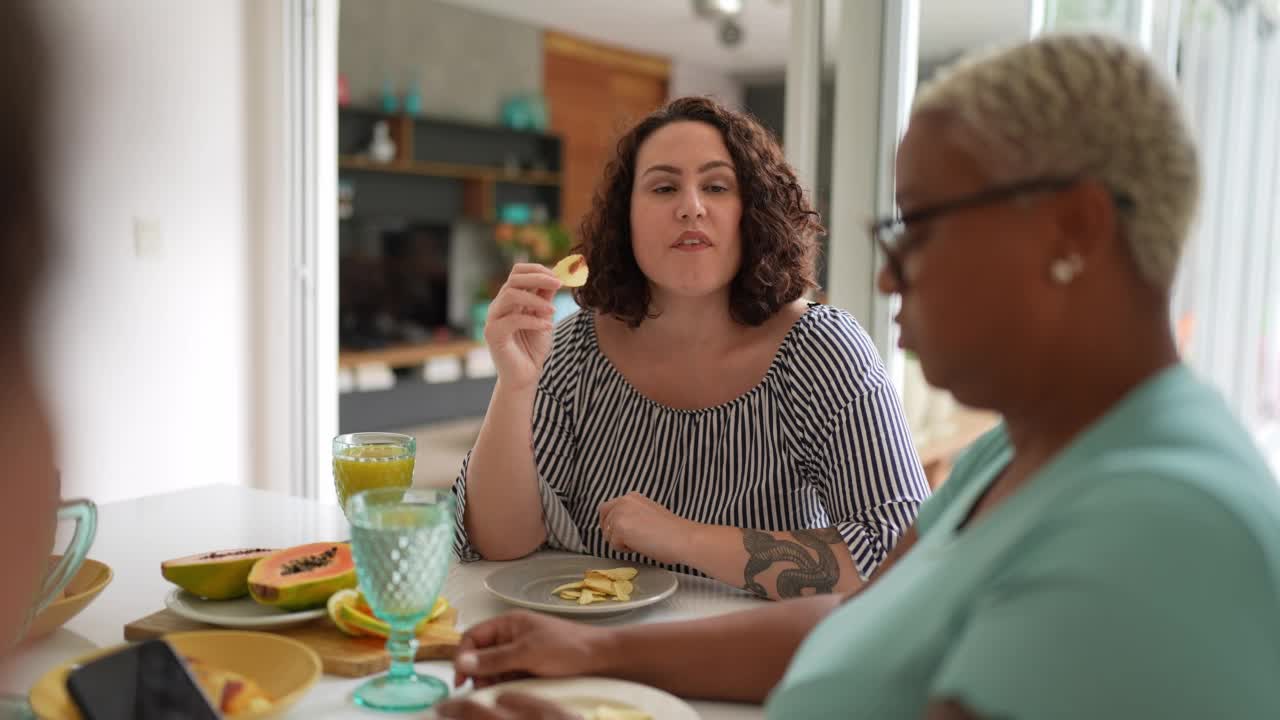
column 819, row 442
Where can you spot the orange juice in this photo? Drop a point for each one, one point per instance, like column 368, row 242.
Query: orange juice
column 371, row 466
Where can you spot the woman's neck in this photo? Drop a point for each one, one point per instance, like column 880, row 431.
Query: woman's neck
column 1079, row 389
column 690, row 323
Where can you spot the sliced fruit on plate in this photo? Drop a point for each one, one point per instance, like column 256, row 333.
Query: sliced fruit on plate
column 350, row 612
column 303, row 577
column 626, row 573
column 217, row 575
column 571, row 271
column 231, row 692
column 599, row 586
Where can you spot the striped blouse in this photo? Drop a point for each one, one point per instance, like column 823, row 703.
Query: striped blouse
column 820, row 441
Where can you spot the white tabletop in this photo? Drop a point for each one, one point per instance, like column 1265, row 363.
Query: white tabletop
column 136, row 535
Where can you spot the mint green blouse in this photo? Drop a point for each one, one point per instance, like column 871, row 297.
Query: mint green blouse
column 1137, row 575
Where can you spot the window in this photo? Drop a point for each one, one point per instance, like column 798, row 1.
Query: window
column 1225, row 57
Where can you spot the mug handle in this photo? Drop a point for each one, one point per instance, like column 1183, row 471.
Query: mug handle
column 85, row 514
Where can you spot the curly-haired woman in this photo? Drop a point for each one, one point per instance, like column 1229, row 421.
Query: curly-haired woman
column 698, row 413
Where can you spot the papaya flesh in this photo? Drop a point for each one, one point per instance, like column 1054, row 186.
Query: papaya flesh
column 217, row 575
column 302, row 577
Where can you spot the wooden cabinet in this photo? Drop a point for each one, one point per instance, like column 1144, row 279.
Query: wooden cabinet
column 595, row 93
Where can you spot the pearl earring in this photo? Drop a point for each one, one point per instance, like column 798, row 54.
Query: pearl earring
column 1064, row 270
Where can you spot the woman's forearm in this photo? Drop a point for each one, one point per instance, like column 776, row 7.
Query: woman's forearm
column 775, row 565
column 739, row 656
column 503, row 514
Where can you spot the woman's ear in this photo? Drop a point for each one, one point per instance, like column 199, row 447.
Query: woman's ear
column 1088, row 221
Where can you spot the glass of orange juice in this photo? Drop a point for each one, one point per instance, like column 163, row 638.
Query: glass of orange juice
column 369, row 460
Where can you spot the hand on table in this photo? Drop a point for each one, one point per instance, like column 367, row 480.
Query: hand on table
column 634, row 523
column 523, row 644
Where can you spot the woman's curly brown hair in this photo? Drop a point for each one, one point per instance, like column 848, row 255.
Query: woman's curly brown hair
column 779, row 227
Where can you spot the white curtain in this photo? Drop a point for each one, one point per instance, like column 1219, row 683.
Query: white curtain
column 1225, row 55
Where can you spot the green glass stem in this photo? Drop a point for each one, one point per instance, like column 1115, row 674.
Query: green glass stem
column 402, row 646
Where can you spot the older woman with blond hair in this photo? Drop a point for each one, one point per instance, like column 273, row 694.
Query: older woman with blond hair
column 1113, row 548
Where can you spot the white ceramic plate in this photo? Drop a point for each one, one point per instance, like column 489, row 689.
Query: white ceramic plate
column 587, row 693
column 241, row 613
column 528, row 584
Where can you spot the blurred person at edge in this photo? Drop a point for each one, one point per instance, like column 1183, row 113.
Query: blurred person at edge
column 30, row 492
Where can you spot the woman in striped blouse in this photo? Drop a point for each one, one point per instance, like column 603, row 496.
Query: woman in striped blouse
column 697, row 413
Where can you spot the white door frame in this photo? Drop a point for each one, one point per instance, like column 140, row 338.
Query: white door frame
column 876, row 59
column 311, row 59
column 803, row 91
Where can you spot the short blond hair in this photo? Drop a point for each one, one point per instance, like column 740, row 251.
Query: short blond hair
column 1067, row 105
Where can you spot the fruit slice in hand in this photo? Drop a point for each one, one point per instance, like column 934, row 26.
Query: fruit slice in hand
column 571, row 271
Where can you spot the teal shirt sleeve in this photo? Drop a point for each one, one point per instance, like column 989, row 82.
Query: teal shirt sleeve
column 1094, row 620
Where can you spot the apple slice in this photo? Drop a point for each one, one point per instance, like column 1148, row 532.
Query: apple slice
column 571, row 271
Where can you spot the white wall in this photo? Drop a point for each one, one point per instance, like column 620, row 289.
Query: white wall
column 148, row 359
column 690, row 79
column 273, row 279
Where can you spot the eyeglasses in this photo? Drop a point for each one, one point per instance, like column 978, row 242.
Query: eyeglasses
column 895, row 238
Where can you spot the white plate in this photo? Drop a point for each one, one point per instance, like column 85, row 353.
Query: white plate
column 242, row 613
column 528, row 584
column 586, row 693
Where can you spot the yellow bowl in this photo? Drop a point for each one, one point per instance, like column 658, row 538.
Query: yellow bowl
column 283, row 667
column 92, row 578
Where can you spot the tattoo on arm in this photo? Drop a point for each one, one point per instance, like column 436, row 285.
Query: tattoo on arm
column 763, row 550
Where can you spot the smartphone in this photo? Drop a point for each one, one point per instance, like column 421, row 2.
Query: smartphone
column 146, row 681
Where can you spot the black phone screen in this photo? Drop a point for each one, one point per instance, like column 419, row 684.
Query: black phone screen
column 146, row 681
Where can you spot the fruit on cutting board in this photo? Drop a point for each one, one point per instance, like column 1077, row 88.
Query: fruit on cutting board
column 303, row 577
column 217, row 575
column 353, row 616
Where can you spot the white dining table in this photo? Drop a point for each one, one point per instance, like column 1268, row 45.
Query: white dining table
column 135, row 536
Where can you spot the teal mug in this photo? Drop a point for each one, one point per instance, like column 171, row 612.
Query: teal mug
column 85, row 516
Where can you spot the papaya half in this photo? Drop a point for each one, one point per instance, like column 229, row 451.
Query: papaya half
column 217, row 575
column 302, row 577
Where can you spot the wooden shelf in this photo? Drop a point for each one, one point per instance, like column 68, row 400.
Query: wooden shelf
column 409, row 355
column 447, row 122
column 450, row 171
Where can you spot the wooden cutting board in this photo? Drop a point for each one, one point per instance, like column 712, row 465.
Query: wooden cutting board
column 342, row 655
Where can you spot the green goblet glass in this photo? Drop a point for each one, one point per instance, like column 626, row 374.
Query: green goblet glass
column 402, row 540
